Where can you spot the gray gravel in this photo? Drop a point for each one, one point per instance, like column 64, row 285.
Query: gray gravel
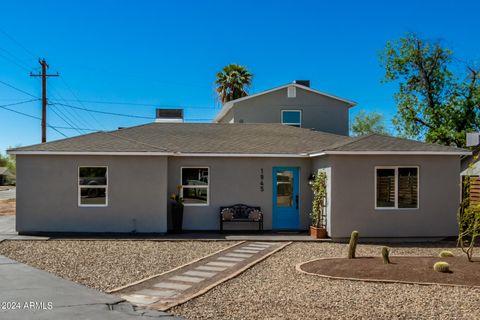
column 106, row 265
column 274, row 290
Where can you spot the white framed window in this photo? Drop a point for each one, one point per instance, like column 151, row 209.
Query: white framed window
column 195, row 182
column 292, row 92
column 397, row 187
column 292, row 118
column 92, row 186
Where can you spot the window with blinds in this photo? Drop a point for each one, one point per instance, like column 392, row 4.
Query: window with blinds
column 396, row 188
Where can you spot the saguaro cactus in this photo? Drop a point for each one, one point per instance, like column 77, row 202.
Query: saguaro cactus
column 352, row 245
column 385, row 255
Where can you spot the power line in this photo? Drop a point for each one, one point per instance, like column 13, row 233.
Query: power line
column 65, row 118
column 19, row 90
column 18, row 44
column 79, row 101
column 143, row 104
column 29, row 115
column 105, row 112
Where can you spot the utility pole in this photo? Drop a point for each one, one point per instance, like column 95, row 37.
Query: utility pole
column 44, row 76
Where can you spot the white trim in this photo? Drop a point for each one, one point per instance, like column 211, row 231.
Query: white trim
column 230, row 104
column 396, row 187
column 80, row 187
column 424, row 153
column 291, row 123
column 196, row 186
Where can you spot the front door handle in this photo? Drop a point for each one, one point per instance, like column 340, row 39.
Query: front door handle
column 296, row 201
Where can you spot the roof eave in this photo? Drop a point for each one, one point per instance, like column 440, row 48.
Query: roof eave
column 420, row 153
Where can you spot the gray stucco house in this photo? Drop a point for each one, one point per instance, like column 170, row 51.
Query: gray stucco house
column 120, row 181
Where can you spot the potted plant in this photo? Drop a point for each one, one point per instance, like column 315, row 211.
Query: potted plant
column 318, row 215
column 177, row 210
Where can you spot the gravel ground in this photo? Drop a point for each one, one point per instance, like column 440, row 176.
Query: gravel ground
column 274, row 290
column 107, row 264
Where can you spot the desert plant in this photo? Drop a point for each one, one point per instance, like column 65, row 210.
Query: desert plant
column 319, row 188
column 232, row 82
column 445, row 254
column 468, row 219
column 385, row 255
column 441, row 266
column 352, row 245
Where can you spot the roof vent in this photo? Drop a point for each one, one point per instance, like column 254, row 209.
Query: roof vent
column 305, row 83
column 169, row 116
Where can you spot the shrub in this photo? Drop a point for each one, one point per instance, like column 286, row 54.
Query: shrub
column 385, row 255
column 445, row 254
column 352, row 245
column 441, row 266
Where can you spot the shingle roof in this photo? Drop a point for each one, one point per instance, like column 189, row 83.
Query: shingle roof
column 227, row 139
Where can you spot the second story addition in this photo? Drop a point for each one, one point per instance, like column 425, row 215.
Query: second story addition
column 294, row 104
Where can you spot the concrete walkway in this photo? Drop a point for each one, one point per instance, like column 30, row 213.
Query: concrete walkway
column 179, row 285
column 29, row 293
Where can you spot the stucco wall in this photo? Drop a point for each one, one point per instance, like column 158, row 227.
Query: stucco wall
column 318, row 112
column 237, row 180
column 47, row 195
column 353, row 200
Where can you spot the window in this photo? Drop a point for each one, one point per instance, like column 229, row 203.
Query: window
column 195, row 185
column 292, row 92
column 396, row 188
column 92, row 187
column 292, row 118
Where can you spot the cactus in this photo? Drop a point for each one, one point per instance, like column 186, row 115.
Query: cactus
column 445, row 254
column 352, row 245
column 385, row 255
column 441, row 266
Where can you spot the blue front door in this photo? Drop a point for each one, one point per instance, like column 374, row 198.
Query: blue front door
column 285, row 213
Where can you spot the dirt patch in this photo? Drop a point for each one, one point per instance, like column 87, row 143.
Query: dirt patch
column 7, row 207
column 405, row 269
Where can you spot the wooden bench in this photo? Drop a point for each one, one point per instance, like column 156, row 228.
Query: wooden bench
column 241, row 213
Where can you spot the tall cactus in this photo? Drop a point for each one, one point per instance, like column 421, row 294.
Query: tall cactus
column 352, row 246
column 385, row 255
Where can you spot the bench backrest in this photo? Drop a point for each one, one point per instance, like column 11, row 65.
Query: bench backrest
column 240, row 211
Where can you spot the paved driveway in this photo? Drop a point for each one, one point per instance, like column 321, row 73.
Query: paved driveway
column 29, row 293
column 8, row 194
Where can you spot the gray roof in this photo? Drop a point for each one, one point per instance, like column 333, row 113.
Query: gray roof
column 217, row 138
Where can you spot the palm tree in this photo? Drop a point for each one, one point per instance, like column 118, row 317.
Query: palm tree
column 232, row 82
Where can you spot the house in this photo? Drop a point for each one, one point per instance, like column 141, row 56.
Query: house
column 294, row 104
column 6, row 177
column 120, row 181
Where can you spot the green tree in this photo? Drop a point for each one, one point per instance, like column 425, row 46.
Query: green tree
column 233, row 82
column 365, row 123
column 8, row 161
column 433, row 103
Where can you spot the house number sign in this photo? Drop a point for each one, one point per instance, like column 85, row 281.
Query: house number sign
column 261, row 180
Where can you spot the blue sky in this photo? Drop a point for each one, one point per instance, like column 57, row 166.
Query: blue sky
column 166, row 53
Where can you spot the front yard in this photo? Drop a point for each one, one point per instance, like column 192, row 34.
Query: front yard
column 272, row 289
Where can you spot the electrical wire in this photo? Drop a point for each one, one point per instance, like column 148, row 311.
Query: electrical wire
column 19, row 90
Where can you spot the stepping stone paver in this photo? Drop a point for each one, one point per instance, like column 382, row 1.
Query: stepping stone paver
column 158, row 293
column 207, row 268
column 238, row 255
column 186, row 279
column 172, row 285
column 230, row 259
column 246, row 251
column 202, row 274
column 222, row 264
column 181, row 284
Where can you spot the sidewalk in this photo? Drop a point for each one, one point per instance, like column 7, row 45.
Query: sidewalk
column 29, row 293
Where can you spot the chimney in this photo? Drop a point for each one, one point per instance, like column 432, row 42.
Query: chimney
column 169, row 116
column 305, row 83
